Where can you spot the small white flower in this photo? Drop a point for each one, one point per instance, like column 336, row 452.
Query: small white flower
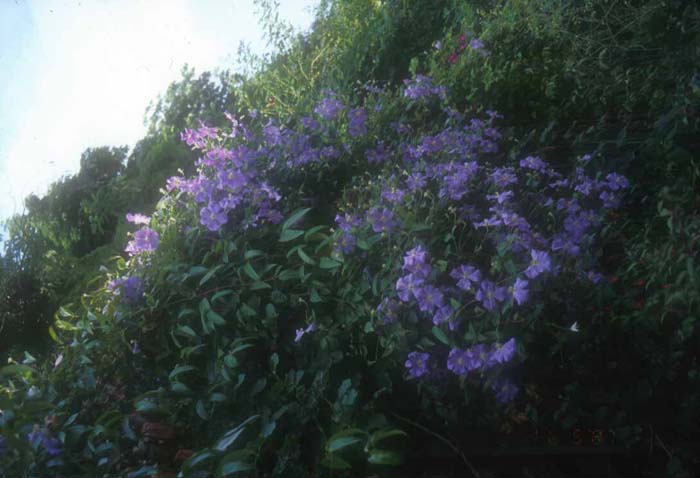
column 574, row 327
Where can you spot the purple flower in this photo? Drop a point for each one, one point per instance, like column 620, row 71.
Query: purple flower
column 429, row 298
column 379, row 154
column 131, row 288
column 388, row 311
column 505, row 352
column 458, row 362
column 443, row 314
column 382, row 219
column 417, row 364
column 346, row 243
column 35, row 437
column 175, row 182
column 533, row 162
column 414, row 259
column 541, row 262
column 310, row 123
column 489, row 295
column 52, row 445
column 520, row 291
column 565, row 243
column 503, row 177
column 476, row 44
column 462, row 361
column 422, row 87
column 586, row 186
column 393, row 195
column 301, row 332
column 505, row 390
column 407, row 286
column 329, row 107
column 617, row 181
column 595, row 277
column 560, row 183
column 610, row 200
column 348, row 222
column 466, row 276
column 432, row 144
column 138, row 218
column 213, row 217
column 481, row 357
column 145, row 240
column 416, row 182
column 501, row 196
column 357, row 125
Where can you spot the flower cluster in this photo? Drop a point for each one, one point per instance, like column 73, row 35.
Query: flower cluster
column 476, row 44
column 480, row 357
column 422, row 87
column 145, row 240
column 39, row 438
column 330, row 107
column 229, row 179
column 138, row 219
column 130, row 288
column 520, row 225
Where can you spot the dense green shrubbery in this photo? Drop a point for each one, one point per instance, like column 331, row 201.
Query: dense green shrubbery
column 340, row 281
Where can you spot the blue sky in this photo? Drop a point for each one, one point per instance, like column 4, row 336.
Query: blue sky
column 80, row 73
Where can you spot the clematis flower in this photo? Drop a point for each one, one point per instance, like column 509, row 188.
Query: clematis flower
column 417, row 364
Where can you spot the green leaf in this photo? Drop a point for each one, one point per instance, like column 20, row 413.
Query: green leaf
column 384, row 434
column 179, row 387
column 260, row 285
column 215, row 318
column 315, row 298
column 250, row 272
column 185, row 330
column 290, row 234
column 126, row 430
column 328, row 263
column 196, row 271
column 16, row 369
column 235, row 462
column 220, row 294
column 304, row 257
column 342, row 442
column 53, row 334
column 270, row 311
column 383, row 457
column 201, row 411
column 298, row 214
column 252, row 253
column 143, row 471
column 440, row 335
column 232, row 435
column 198, row 459
column 179, row 370
column 334, row 462
column 208, row 275
column 314, row 230
column 345, row 439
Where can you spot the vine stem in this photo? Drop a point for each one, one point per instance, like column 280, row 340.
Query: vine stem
column 447, row 442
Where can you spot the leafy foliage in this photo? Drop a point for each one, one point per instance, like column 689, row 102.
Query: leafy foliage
column 361, row 265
